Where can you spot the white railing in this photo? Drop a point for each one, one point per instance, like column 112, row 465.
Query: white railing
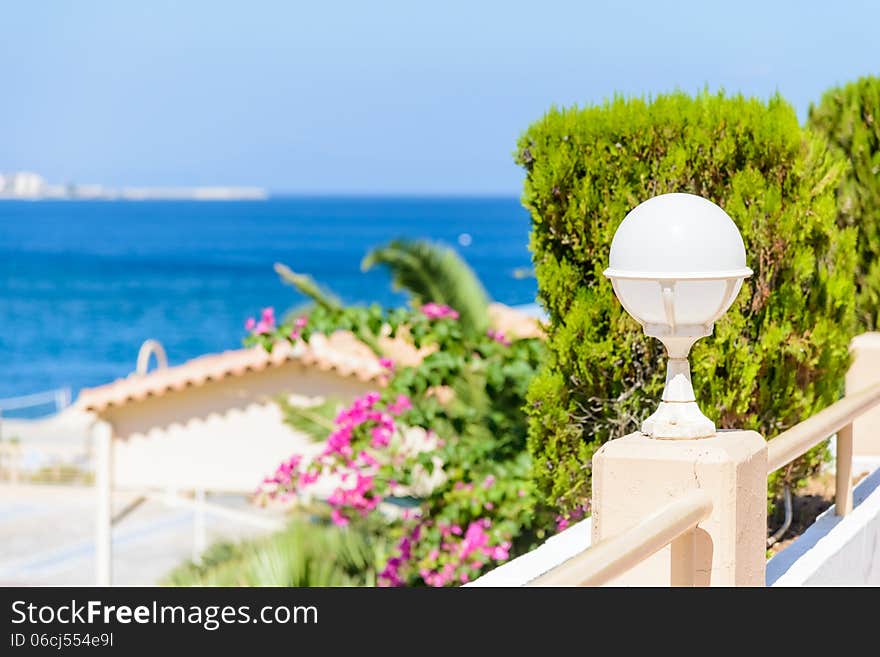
column 60, row 397
column 837, row 418
column 674, row 524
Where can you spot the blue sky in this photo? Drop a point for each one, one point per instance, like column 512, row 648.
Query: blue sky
column 375, row 97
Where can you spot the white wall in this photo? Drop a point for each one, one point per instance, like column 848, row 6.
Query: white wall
column 232, row 451
column 223, row 435
column 836, row 551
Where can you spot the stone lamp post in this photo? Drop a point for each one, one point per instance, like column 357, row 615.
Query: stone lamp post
column 677, row 262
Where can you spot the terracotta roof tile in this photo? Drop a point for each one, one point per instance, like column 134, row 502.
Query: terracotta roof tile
column 514, row 323
column 341, row 352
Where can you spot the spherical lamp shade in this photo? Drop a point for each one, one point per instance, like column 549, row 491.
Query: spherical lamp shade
column 677, row 262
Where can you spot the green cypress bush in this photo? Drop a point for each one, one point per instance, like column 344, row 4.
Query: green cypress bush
column 780, row 353
column 849, row 117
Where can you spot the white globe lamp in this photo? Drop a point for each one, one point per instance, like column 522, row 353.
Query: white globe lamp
column 677, row 262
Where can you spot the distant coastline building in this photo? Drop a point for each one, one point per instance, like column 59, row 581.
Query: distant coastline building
column 25, row 185
column 22, row 184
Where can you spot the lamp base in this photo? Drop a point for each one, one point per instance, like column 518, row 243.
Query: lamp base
column 678, row 421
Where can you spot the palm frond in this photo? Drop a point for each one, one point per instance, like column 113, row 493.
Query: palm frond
column 306, row 553
column 315, row 421
column 431, row 272
column 306, row 285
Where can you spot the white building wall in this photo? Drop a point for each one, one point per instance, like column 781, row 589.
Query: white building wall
column 222, row 435
column 232, row 451
column 836, row 551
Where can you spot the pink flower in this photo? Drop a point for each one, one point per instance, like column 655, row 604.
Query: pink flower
column 498, row 552
column 402, row 405
column 387, row 363
column 499, row 337
column 488, row 481
column 433, row 310
column 339, row 442
column 301, row 322
column 308, row 477
column 265, row 325
column 381, row 436
column 475, row 539
column 338, row 518
column 294, row 334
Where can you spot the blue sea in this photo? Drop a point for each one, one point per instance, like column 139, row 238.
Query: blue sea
column 83, row 284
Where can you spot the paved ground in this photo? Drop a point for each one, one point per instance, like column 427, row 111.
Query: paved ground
column 46, row 536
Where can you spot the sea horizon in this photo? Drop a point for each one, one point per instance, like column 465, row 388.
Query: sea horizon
column 280, row 196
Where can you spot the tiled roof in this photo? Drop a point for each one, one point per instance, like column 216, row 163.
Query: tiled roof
column 514, row 323
column 341, row 353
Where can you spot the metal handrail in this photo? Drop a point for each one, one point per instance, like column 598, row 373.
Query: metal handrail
column 60, row 397
column 837, row 418
column 612, row 557
column 790, row 444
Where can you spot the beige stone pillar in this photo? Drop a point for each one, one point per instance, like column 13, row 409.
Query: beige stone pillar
column 635, row 476
column 863, row 373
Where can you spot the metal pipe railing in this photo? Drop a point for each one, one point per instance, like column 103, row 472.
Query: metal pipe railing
column 611, row 558
column 837, row 418
column 789, row 445
column 60, row 397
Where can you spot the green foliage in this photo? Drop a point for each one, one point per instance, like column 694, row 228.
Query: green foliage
column 458, row 414
column 849, row 117
column 304, row 554
column 307, row 286
column 315, row 421
column 445, row 438
column 433, row 273
column 780, row 353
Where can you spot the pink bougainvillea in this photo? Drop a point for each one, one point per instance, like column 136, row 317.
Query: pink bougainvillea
column 564, row 521
column 459, row 558
column 266, row 323
column 454, row 499
column 353, row 457
column 498, row 336
column 433, row 310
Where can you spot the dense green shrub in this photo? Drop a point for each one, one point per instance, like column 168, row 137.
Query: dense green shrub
column 850, row 118
column 780, row 353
